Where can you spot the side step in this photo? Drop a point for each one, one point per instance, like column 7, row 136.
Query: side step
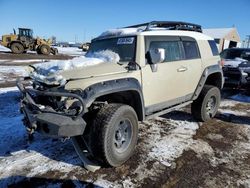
column 88, row 164
column 159, row 113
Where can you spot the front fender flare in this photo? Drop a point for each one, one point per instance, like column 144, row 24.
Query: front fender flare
column 91, row 93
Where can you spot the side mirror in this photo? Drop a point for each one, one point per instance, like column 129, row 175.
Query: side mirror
column 157, row 55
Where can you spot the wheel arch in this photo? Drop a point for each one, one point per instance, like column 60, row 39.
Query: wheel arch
column 127, row 91
column 16, row 41
column 212, row 75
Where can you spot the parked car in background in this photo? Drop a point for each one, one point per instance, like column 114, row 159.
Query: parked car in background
column 236, row 67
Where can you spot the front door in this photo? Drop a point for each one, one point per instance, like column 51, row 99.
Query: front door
column 162, row 87
column 169, row 84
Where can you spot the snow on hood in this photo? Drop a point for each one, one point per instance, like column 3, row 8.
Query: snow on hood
column 234, row 62
column 49, row 72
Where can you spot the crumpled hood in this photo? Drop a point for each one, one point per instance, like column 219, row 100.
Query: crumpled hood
column 95, row 64
column 101, row 69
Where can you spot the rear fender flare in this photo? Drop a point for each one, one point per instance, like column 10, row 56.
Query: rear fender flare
column 208, row 71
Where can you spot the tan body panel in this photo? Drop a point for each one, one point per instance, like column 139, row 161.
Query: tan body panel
column 166, row 84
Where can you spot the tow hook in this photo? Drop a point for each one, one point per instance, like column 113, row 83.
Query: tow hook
column 30, row 129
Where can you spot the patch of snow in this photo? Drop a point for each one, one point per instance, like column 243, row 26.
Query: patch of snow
column 119, row 32
column 213, row 136
column 20, row 70
column 72, row 51
column 8, row 89
column 228, row 103
column 4, row 49
column 10, row 73
column 178, row 139
column 51, row 70
column 234, row 112
column 27, row 60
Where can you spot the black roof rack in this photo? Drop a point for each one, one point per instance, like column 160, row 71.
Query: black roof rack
column 169, row 25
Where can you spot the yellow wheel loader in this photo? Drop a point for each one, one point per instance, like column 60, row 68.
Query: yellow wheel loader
column 24, row 40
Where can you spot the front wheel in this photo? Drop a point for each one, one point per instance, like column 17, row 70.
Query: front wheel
column 45, row 49
column 17, row 48
column 206, row 105
column 114, row 134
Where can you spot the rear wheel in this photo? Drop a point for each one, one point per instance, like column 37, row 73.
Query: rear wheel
column 206, row 105
column 45, row 49
column 17, row 48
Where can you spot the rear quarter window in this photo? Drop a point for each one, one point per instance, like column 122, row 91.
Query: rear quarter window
column 191, row 50
column 213, row 47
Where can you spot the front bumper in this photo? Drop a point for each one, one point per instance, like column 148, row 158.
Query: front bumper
column 234, row 77
column 47, row 120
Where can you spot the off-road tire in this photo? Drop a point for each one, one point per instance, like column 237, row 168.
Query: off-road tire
column 45, row 49
column 104, row 131
column 200, row 107
column 17, row 48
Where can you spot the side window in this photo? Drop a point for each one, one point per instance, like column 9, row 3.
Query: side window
column 172, row 49
column 213, row 47
column 191, row 50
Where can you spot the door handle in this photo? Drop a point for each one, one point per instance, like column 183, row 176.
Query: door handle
column 182, row 69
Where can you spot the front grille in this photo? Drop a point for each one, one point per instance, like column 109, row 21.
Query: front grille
column 232, row 73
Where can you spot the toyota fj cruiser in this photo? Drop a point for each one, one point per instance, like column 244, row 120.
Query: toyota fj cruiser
column 162, row 66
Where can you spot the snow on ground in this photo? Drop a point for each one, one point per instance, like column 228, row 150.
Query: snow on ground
column 10, row 73
column 3, row 49
column 72, row 51
column 163, row 140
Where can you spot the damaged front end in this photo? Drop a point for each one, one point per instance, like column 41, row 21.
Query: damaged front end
column 52, row 111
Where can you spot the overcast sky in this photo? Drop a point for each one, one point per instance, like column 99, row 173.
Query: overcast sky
column 72, row 20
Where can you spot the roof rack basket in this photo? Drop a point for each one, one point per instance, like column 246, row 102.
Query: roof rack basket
column 169, row 25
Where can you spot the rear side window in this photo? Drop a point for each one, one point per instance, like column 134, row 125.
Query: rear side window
column 191, row 50
column 172, row 49
column 213, row 47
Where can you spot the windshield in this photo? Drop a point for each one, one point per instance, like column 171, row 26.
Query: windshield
column 234, row 53
column 123, row 46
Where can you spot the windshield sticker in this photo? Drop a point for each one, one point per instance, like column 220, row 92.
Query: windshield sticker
column 129, row 40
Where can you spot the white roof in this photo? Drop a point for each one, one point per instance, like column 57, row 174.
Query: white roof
column 155, row 32
column 217, row 33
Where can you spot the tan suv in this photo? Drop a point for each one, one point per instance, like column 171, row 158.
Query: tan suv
column 161, row 66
